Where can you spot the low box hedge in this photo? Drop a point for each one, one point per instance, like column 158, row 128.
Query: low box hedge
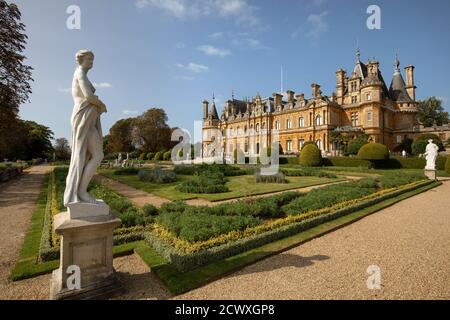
column 186, row 262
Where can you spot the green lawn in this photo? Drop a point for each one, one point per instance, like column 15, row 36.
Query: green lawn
column 240, row 186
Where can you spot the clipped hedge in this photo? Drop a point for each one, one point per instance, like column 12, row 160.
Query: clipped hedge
column 126, row 172
column 167, row 156
column 308, row 172
column 185, row 262
column 150, row 156
column 373, row 152
column 157, row 176
column 310, row 156
column 447, row 165
column 346, row 162
column 273, row 178
column 158, row 156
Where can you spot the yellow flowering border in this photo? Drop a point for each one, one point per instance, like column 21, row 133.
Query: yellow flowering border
column 54, row 210
column 189, row 248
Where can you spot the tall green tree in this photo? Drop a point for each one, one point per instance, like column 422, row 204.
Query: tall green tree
column 15, row 77
column 431, row 112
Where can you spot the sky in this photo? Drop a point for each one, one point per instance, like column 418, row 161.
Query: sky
column 174, row 54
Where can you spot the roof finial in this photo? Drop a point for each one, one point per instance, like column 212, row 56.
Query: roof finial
column 396, row 64
column 214, row 99
column 232, row 94
column 358, row 54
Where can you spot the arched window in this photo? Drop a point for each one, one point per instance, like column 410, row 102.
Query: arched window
column 257, row 127
column 319, row 120
column 301, row 122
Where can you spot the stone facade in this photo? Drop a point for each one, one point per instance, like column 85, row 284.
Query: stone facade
column 361, row 103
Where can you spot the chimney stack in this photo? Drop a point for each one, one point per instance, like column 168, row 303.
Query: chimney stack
column 277, row 99
column 316, row 90
column 205, row 109
column 410, row 87
column 340, row 82
column 290, row 95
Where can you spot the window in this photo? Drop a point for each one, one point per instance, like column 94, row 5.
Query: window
column 288, row 124
column 289, row 145
column 354, row 99
column 399, row 139
column 301, row 142
column 369, row 96
column 354, row 117
column 354, row 87
column 319, row 144
column 318, row 120
column 277, row 125
column 369, row 116
column 301, row 122
column 238, row 132
column 257, row 127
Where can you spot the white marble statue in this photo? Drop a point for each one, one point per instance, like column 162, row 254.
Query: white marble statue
column 87, row 141
column 431, row 153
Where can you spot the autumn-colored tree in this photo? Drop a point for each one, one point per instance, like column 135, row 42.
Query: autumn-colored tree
column 121, row 136
column 151, row 132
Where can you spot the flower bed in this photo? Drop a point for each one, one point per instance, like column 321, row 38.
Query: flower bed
column 186, row 255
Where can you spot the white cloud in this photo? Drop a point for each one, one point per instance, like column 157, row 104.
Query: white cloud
column 241, row 10
column 318, row 25
column 193, row 67
column 102, row 85
column 213, row 51
column 318, row 2
column 130, row 112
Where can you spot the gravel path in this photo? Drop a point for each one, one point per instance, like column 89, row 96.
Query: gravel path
column 138, row 197
column 409, row 241
column 17, row 203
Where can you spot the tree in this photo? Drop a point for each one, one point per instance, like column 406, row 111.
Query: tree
column 356, row 144
column 151, row 131
column 376, row 153
column 62, row 149
column 431, row 112
column 121, row 136
column 310, row 156
column 15, row 77
column 421, row 142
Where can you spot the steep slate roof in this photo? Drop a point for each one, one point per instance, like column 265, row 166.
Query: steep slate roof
column 213, row 112
column 397, row 90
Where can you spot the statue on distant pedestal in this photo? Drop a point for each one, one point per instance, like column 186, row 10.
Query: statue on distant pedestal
column 431, row 153
column 87, row 139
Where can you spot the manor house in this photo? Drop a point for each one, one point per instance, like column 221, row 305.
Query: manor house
column 361, row 103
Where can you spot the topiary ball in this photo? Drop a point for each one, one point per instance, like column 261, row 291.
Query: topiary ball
column 373, row 152
column 310, row 156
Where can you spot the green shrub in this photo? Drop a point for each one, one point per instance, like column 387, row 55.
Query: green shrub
column 158, row 156
column 142, row 157
column 226, row 169
column 149, row 210
column 394, row 179
column 447, row 165
column 157, row 176
column 355, row 145
column 346, row 162
column 373, row 152
column 330, row 195
column 150, row 156
column 420, row 143
column 194, row 227
column 273, row 178
column 308, row 172
column 310, row 156
column 167, row 156
column 126, row 172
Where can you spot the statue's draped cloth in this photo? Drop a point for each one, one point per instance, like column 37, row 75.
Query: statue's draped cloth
column 84, row 117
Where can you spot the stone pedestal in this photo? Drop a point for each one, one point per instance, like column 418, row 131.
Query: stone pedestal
column 86, row 242
column 431, row 174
